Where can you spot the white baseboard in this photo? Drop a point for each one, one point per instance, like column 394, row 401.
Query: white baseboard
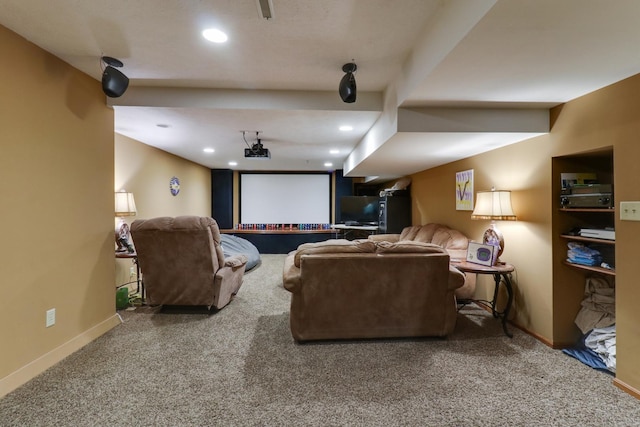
column 47, row 360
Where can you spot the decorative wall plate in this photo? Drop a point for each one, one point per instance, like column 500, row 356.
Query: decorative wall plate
column 174, row 185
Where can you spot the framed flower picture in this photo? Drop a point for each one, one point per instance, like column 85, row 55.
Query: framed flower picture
column 464, row 190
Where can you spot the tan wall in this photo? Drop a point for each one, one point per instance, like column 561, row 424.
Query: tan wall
column 523, row 169
column 608, row 117
column 56, row 167
column 145, row 171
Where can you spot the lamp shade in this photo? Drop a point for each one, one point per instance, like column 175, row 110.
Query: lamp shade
column 493, row 205
column 125, row 204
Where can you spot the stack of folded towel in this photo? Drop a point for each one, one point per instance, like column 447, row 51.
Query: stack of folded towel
column 584, row 255
column 603, row 342
column 597, row 321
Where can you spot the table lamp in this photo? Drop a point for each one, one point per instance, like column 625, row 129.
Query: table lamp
column 125, row 206
column 496, row 206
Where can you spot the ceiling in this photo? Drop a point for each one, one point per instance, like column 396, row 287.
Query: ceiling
column 438, row 80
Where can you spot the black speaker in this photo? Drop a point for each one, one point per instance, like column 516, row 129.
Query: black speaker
column 347, row 87
column 394, row 213
column 114, row 83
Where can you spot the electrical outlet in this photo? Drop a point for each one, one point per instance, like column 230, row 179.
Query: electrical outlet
column 51, row 317
column 132, row 272
column 630, row 211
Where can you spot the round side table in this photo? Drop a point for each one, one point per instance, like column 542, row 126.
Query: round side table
column 501, row 274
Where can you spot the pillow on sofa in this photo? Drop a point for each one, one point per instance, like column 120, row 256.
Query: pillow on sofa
column 450, row 239
column 409, row 233
column 334, row 246
column 453, row 241
column 407, row 246
column 428, row 232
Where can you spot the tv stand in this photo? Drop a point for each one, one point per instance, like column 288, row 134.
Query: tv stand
column 353, row 231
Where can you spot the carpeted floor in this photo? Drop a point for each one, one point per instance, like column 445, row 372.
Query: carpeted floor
column 240, row 366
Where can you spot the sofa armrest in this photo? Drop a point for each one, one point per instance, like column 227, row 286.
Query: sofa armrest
column 226, row 284
column 235, row 261
column 393, row 238
column 291, row 274
column 457, row 255
column 456, row 278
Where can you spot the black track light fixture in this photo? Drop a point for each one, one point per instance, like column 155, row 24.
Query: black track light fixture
column 114, row 83
column 347, row 86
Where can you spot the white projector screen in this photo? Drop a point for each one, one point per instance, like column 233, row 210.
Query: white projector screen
column 285, row 198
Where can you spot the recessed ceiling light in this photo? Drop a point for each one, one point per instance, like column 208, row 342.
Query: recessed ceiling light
column 334, row 151
column 163, row 125
column 214, row 35
column 233, row 163
column 328, row 164
column 208, row 150
column 345, row 128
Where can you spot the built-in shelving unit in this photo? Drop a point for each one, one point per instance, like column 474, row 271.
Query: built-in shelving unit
column 569, row 278
column 592, row 269
column 588, row 239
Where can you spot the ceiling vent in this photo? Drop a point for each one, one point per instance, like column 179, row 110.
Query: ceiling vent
column 265, row 8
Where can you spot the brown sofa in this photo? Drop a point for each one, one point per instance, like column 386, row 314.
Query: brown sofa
column 453, row 241
column 182, row 262
column 364, row 289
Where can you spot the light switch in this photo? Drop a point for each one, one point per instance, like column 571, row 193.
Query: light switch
column 51, row 317
column 630, row 211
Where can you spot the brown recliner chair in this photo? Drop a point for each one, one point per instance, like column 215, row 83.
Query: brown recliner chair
column 182, row 262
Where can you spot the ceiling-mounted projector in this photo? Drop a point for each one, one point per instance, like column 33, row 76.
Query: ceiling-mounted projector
column 257, row 151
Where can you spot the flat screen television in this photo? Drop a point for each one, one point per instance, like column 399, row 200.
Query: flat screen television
column 359, row 210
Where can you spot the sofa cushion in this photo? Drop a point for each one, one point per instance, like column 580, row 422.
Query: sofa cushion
column 334, row 246
column 450, row 239
column 427, row 232
column 409, row 233
column 408, row 246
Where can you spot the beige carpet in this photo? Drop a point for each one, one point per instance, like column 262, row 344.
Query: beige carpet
column 241, row 367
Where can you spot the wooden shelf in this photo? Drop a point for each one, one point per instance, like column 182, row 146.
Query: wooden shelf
column 599, row 210
column 281, row 231
column 588, row 239
column 591, row 268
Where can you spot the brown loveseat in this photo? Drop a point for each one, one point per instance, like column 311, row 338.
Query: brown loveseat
column 182, row 262
column 362, row 289
column 453, row 241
